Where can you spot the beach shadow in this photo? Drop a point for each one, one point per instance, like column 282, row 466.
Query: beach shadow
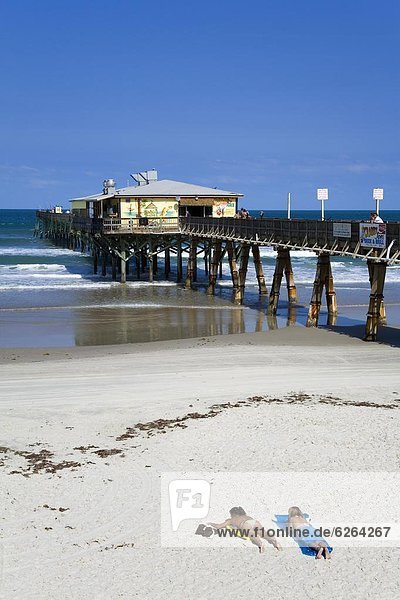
column 387, row 335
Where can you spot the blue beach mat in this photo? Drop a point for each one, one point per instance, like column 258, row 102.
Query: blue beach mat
column 282, row 520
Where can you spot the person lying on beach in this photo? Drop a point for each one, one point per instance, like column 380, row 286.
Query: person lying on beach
column 248, row 527
column 298, row 521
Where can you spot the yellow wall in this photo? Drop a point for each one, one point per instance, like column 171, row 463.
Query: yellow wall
column 78, row 204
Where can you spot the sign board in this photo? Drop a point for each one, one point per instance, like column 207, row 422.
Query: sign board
column 342, row 230
column 322, row 194
column 373, row 235
column 224, row 208
column 377, row 193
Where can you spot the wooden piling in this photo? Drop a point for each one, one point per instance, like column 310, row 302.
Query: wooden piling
column 382, row 312
column 377, row 272
column 167, row 262
column 331, row 301
column 220, row 273
column 291, row 288
column 231, row 251
column 95, row 261
column 244, row 261
column 150, row 259
column 179, row 266
column 276, row 283
column 143, row 258
column 262, row 288
column 195, row 260
column 103, row 264
column 155, row 260
column 323, row 279
column 123, row 266
column 190, row 264
column 283, row 266
column 206, row 259
column 212, row 280
column 114, row 267
column 137, row 263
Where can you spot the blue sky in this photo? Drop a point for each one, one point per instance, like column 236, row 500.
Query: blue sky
column 261, row 97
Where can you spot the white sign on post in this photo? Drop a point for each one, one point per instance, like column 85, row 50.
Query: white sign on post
column 322, row 194
column 377, row 194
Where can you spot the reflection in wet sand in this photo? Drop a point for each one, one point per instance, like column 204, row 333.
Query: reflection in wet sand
column 332, row 319
column 272, row 322
column 292, row 316
column 259, row 321
column 125, row 325
column 142, row 313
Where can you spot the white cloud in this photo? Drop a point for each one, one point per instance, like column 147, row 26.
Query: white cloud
column 26, row 176
column 40, row 183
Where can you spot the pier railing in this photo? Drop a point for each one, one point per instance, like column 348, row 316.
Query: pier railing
column 111, row 225
column 299, row 234
column 140, row 225
column 334, row 237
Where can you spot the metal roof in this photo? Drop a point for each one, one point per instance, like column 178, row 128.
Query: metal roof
column 99, row 196
column 166, row 188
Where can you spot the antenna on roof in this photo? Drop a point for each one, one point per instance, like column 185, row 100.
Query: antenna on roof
column 145, row 177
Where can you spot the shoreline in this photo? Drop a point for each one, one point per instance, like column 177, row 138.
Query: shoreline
column 296, row 335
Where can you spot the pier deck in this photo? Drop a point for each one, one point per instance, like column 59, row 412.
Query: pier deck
column 314, row 235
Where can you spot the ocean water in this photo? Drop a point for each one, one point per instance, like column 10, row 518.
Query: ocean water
column 50, row 297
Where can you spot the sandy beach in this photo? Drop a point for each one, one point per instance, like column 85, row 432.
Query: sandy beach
column 80, row 481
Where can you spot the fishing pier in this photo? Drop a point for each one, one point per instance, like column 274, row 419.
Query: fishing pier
column 134, row 246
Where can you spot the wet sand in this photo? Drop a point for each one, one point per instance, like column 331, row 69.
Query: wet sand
column 139, row 315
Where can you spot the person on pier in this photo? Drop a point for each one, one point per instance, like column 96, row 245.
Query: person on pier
column 375, row 218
